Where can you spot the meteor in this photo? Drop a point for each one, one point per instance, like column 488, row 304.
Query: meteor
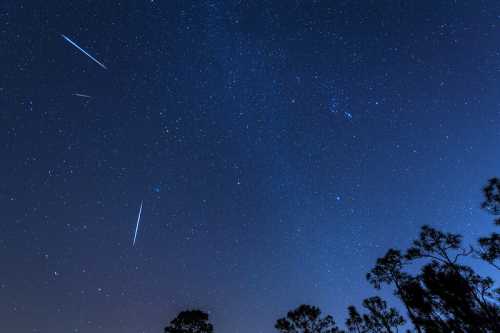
column 82, row 95
column 137, row 225
column 83, row 51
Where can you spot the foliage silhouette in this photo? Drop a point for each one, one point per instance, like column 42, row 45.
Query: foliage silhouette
column 441, row 295
column 389, row 270
column 490, row 249
column 379, row 318
column 492, row 196
column 445, row 295
column 452, row 295
column 354, row 322
column 490, row 246
column 306, row 319
column 191, row 321
column 436, row 245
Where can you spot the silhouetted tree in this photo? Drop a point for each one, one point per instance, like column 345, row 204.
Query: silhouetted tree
column 354, row 322
column 192, row 321
column 389, row 270
column 458, row 296
column 436, row 245
column 445, row 296
column 492, row 196
column 453, row 297
column 423, row 307
column 306, row 319
column 490, row 246
column 490, row 249
column 379, row 319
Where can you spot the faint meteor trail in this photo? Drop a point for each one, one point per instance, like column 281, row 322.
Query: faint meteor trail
column 83, row 51
column 82, row 95
column 137, row 225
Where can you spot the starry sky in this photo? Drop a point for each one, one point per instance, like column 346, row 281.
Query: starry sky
column 278, row 147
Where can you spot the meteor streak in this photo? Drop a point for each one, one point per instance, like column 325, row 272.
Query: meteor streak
column 83, row 51
column 82, row 95
column 137, row 225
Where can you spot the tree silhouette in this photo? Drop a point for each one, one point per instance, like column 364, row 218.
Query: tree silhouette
column 490, row 246
column 191, row 321
column 442, row 296
column 381, row 319
column 456, row 294
column 490, row 249
column 445, row 297
column 378, row 320
column 423, row 307
column 306, row 319
column 492, row 196
column 439, row 246
column 388, row 270
column 354, row 322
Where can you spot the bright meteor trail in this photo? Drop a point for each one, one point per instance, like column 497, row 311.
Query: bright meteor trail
column 137, row 225
column 82, row 95
column 83, row 51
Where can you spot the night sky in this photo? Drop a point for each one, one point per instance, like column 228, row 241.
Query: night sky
column 278, row 147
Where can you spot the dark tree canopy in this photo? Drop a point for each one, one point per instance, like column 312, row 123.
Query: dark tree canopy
column 191, row 321
column 423, row 307
column 354, row 322
column 453, row 295
column 447, row 294
column 436, row 245
column 379, row 318
column 441, row 295
column 492, row 196
column 489, row 247
column 387, row 270
column 306, row 319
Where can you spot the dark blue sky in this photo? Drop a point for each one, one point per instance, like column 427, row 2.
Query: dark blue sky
column 279, row 147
